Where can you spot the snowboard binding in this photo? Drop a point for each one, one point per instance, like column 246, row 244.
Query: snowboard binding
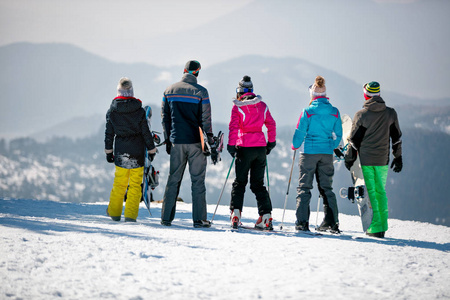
column 217, row 144
column 352, row 193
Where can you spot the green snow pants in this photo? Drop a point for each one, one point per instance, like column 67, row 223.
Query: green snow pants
column 375, row 178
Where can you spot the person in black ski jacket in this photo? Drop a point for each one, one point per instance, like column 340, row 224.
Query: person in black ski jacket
column 127, row 135
column 373, row 128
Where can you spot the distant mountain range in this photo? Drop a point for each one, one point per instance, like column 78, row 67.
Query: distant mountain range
column 61, row 90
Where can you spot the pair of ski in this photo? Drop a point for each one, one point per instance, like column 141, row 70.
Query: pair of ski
column 297, row 232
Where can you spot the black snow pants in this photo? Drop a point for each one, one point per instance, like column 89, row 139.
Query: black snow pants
column 253, row 160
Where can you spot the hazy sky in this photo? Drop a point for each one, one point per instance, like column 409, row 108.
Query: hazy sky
column 99, row 25
column 140, row 30
column 94, row 24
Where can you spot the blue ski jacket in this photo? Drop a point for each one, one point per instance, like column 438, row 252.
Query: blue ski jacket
column 319, row 128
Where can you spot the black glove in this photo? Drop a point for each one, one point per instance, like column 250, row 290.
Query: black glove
column 270, row 146
column 168, row 146
column 110, row 157
column 348, row 164
column 338, row 153
column 214, row 155
column 350, row 157
column 151, row 156
column 397, row 164
column 232, row 150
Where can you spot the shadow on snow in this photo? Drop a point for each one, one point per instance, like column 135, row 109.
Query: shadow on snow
column 27, row 214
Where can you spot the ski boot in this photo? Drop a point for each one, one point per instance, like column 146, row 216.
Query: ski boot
column 166, row 223
column 302, row 226
column 376, row 234
column 335, row 229
column 117, row 219
column 235, row 218
column 202, row 224
column 264, row 222
column 324, row 226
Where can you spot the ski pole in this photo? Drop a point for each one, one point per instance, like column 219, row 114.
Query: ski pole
column 267, row 172
column 223, row 188
column 287, row 192
column 318, row 204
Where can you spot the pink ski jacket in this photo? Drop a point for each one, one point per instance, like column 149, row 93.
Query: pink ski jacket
column 247, row 119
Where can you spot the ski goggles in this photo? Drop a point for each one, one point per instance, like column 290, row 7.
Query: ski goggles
column 191, row 64
column 193, row 72
column 240, row 90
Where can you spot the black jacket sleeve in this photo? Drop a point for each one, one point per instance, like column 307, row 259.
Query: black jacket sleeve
column 109, row 133
column 395, row 135
column 166, row 118
column 148, row 138
column 356, row 138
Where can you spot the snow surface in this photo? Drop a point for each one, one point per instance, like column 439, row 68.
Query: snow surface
column 54, row 250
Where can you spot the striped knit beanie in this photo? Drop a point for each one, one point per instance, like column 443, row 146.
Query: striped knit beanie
column 372, row 89
column 125, row 87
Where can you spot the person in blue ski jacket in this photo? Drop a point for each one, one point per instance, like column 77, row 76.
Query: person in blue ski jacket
column 319, row 130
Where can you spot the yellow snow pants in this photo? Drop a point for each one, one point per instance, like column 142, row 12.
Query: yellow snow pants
column 123, row 179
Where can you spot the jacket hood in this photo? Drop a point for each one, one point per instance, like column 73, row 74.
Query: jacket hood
column 248, row 101
column 126, row 104
column 375, row 104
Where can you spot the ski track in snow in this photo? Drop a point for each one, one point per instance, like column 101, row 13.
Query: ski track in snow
column 52, row 250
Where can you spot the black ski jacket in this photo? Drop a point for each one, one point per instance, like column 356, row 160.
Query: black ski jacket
column 372, row 129
column 127, row 129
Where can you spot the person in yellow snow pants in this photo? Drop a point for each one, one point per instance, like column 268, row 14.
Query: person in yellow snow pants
column 375, row 178
column 127, row 137
column 131, row 179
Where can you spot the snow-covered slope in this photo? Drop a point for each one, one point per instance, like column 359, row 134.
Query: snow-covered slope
column 73, row 251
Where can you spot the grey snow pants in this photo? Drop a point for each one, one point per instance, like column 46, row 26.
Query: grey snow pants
column 310, row 164
column 180, row 155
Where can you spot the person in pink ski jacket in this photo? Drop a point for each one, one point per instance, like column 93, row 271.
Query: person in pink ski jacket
column 247, row 143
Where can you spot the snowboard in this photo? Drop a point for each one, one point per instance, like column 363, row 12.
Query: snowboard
column 358, row 191
column 151, row 176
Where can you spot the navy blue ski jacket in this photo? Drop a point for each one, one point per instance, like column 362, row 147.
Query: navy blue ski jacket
column 185, row 107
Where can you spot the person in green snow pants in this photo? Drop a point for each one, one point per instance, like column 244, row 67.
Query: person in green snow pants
column 373, row 128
